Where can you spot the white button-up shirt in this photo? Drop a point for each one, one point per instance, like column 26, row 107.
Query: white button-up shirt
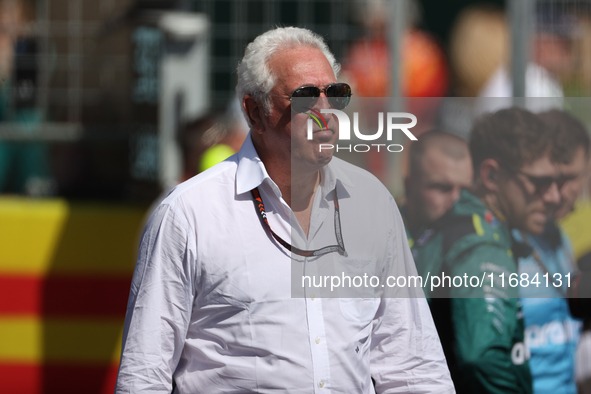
column 213, row 304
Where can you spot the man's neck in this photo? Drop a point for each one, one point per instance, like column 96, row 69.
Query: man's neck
column 299, row 194
column 298, row 185
column 301, row 191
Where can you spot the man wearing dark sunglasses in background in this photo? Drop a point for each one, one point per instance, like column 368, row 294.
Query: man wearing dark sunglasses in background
column 516, row 186
column 211, row 304
column 550, row 331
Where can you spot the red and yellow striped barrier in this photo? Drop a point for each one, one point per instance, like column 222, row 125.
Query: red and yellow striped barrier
column 65, row 271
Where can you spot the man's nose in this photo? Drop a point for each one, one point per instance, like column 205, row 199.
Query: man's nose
column 322, row 102
column 552, row 195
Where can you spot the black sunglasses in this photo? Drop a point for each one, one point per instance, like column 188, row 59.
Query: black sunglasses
column 338, row 94
column 543, row 183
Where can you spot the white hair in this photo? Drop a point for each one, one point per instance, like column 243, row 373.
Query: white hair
column 254, row 75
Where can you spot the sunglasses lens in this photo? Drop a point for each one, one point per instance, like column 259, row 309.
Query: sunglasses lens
column 307, row 91
column 542, row 184
column 339, row 95
column 564, row 179
column 306, row 97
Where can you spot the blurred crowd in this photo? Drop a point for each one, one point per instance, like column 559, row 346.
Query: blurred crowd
column 491, row 207
column 472, row 59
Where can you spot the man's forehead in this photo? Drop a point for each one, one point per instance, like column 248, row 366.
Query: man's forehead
column 578, row 164
column 435, row 158
column 301, row 65
column 440, row 167
column 542, row 166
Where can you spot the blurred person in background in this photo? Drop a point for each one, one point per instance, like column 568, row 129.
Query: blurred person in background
column 24, row 163
column 192, row 147
column 539, row 80
column 556, row 31
column 480, row 57
column 515, row 186
column 192, row 143
column 205, row 142
column 583, row 355
column 367, row 62
column 223, row 142
column 367, row 66
column 210, row 306
column 583, row 52
column 551, row 333
column 478, row 46
column 440, row 168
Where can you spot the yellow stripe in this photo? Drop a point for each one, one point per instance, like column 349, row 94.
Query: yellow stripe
column 477, row 224
column 32, row 340
column 316, row 119
column 41, row 236
column 29, row 233
column 20, row 340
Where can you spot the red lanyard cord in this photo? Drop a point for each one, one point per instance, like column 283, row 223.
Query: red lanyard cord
column 340, row 248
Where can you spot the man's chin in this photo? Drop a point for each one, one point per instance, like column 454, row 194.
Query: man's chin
column 536, row 226
column 313, row 163
column 322, row 156
column 325, row 157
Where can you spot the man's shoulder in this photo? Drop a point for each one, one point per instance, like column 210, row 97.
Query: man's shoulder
column 214, row 183
column 471, row 225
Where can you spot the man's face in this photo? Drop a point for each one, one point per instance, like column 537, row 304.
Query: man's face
column 573, row 174
column 438, row 185
column 294, row 68
column 528, row 196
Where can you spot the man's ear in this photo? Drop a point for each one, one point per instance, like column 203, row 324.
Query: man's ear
column 255, row 112
column 489, row 174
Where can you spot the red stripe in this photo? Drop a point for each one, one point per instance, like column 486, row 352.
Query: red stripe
column 318, row 113
column 63, row 379
column 20, row 378
column 64, row 296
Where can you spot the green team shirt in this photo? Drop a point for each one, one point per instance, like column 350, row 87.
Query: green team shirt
column 481, row 326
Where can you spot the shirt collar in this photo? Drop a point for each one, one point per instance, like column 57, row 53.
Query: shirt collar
column 330, row 174
column 251, row 172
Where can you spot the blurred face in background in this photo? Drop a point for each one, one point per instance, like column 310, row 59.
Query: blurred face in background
column 530, row 195
column 435, row 188
column 10, row 20
column 574, row 177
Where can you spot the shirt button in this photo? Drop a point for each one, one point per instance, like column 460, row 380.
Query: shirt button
column 317, row 340
column 321, row 384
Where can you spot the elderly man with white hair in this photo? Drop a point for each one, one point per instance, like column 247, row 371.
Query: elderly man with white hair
column 213, row 306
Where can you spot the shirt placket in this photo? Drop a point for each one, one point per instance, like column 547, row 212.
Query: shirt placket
column 316, row 326
column 318, row 344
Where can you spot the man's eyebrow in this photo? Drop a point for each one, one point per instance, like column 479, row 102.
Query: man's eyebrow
column 440, row 185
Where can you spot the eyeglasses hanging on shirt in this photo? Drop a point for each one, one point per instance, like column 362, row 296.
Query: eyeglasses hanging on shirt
column 340, row 248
